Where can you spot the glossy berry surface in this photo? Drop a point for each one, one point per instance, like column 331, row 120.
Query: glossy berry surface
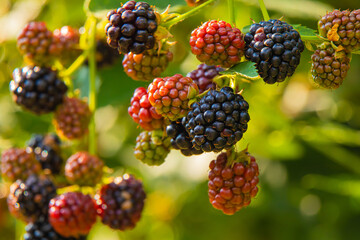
column 275, row 47
column 120, row 203
column 217, row 43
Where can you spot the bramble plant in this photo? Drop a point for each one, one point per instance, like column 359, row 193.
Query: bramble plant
column 204, row 111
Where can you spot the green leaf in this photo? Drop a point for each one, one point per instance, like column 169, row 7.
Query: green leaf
column 96, row 5
column 246, row 29
column 307, row 34
column 246, row 70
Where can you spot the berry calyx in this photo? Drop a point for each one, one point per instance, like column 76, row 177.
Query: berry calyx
column 217, row 43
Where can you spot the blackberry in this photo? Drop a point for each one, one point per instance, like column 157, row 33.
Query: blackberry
column 72, row 214
column 121, row 202
column 41, row 229
column 37, row 43
column 131, row 28
column 150, row 152
column 105, row 55
column 143, row 113
column 18, row 164
column 275, row 48
column 13, row 206
column 72, row 118
column 218, row 120
column 67, row 39
column 84, row 169
column 233, row 182
column 180, row 139
column 203, row 76
column 37, row 89
column 329, row 68
column 217, row 43
column 34, row 195
column 170, row 95
column 47, row 151
column 147, row 65
column 347, row 26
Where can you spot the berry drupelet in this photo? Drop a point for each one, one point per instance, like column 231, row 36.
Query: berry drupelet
column 203, row 76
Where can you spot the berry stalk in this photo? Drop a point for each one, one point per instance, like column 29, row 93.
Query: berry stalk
column 92, row 86
column 182, row 17
column 231, row 7
column 75, row 65
column 264, row 10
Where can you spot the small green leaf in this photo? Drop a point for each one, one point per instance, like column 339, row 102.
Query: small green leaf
column 245, row 70
column 307, row 34
column 246, row 29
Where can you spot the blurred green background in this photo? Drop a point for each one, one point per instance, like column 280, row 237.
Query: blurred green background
column 306, row 140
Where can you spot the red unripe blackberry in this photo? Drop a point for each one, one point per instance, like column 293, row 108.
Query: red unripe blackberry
column 180, row 139
column 275, row 48
column 41, row 229
column 67, row 39
column 203, row 76
column 329, row 68
column 131, row 28
column 47, row 151
column 72, row 118
column 33, row 196
column 147, row 65
column 218, row 120
column 18, row 164
column 347, row 26
column 217, row 43
column 120, row 203
column 143, row 113
column 170, row 95
column 37, row 44
column 72, row 214
column 84, row 169
column 232, row 183
column 37, row 89
column 150, row 152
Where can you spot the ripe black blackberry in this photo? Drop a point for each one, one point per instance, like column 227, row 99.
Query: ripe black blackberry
column 218, row 120
column 37, row 89
column 275, row 47
column 34, row 196
column 41, row 229
column 131, row 28
column 180, row 138
column 203, row 76
column 120, row 203
column 47, row 151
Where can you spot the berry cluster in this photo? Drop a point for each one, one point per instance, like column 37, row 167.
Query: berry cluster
column 275, row 47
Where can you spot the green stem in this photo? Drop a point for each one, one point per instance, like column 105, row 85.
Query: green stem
column 181, row 17
column 92, row 86
column 231, row 8
column 264, row 10
column 76, row 64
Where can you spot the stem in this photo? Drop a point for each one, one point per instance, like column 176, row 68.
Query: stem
column 92, row 87
column 76, row 64
column 263, row 10
column 231, row 8
column 181, row 17
column 67, row 78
